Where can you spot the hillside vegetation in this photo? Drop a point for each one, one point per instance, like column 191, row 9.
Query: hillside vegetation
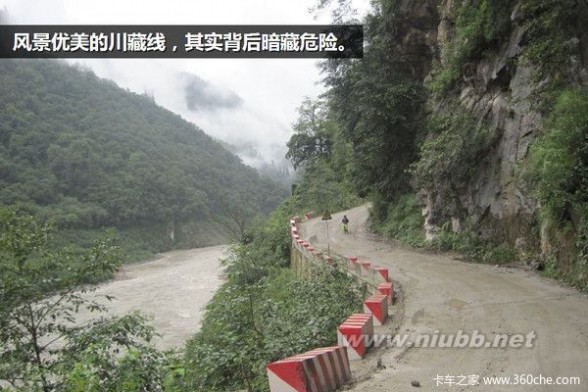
column 85, row 154
column 466, row 125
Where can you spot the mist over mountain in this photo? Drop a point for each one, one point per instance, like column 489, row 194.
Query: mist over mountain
column 203, row 95
column 82, row 152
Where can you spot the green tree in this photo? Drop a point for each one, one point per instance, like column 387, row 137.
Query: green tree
column 42, row 345
column 313, row 133
column 86, row 154
column 378, row 104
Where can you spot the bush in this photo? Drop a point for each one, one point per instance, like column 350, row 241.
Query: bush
column 558, row 170
column 264, row 313
column 42, row 345
column 457, row 144
column 476, row 249
column 550, row 24
column 480, row 26
column 402, row 220
column 248, row 326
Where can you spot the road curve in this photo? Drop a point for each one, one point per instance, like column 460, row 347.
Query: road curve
column 443, row 296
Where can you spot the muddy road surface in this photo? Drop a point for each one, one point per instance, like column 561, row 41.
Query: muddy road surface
column 173, row 290
column 442, row 295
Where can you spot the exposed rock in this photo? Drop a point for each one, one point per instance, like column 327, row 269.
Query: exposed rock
column 499, row 92
column 416, row 35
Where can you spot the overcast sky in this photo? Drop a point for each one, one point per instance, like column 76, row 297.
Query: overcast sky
column 237, row 100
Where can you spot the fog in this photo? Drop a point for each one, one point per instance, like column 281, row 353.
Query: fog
column 249, row 103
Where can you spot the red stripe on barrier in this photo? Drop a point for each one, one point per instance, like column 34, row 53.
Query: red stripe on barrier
column 320, row 370
column 365, row 267
column 291, row 372
column 329, row 260
column 377, row 305
column 384, row 272
column 387, row 289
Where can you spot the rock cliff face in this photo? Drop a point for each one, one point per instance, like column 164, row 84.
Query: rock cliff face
column 416, row 24
column 499, row 90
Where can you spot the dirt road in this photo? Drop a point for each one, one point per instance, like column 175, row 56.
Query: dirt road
column 172, row 289
column 443, row 296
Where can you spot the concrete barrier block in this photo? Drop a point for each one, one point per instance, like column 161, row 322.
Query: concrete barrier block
column 334, row 365
column 320, row 370
column 365, row 268
column 379, row 275
column 351, row 261
column 353, row 264
column 387, row 289
column 377, row 305
column 361, row 317
column 329, row 260
column 356, row 333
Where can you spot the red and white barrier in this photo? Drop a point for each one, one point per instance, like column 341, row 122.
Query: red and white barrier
column 377, row 305
column 379, row 274
column 354, row 265
column 327, row 369
column 356, row 333
column 320, row 370
column 329, row 260
column 365, row 267
column 387, row 289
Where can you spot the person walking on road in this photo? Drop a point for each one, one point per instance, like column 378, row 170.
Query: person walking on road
column 345, row 222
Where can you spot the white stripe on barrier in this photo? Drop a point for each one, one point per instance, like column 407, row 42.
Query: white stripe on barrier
column 320, row 370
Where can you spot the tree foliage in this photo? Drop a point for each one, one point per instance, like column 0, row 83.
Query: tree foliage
column 264, row 313
column 43, row 346
column 80, row 151
column 313, row 134
column 378, row 106
column 364, row 135
column 559, row 173
column 322, row 157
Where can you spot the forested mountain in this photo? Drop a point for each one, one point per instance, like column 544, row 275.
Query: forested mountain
column 466, row 124
column 86, row 154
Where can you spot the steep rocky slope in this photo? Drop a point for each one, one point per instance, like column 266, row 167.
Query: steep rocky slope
column 494, row 70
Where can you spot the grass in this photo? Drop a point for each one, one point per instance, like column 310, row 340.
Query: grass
column 403, row 221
